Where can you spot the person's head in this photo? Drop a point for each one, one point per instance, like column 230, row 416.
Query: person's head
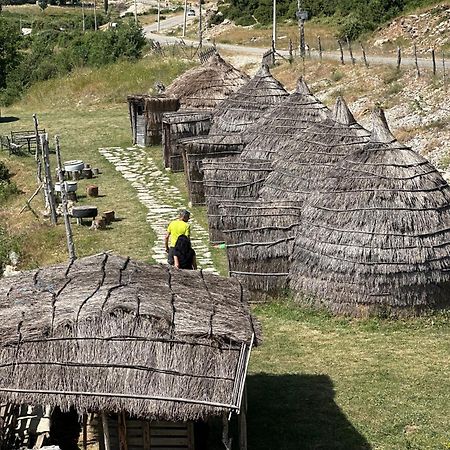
column 183, row 244
column 184, row 214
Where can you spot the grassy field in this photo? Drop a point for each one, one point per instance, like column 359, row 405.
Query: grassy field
column 316, row 382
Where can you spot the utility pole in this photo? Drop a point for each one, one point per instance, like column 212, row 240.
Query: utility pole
column 95, row 16
column 159, row 17
column 274, row 25
column 84, row 17
column 135, row 12
column 301, row 28
column 185, row 18
column 200, row 35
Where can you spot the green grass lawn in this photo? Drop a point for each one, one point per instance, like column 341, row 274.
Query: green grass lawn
column 316, row 382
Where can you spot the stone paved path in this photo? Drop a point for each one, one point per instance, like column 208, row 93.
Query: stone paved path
column 161, row 198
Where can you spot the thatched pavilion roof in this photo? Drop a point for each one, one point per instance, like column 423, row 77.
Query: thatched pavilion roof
column 205, row 86
column 376, row 237
column 108, row 333
column 243, row 108
column 276, row 130
column 303, row 164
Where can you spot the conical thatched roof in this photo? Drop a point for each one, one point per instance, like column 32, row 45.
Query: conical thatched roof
column 278, row 127
column 376, row 237
column 264, row 244
column 243, row 108
column 302, row 165
column 207, row 85
column 109, row 333
column 272, row 134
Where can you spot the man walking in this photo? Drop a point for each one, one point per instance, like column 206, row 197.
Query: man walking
column 175, row 229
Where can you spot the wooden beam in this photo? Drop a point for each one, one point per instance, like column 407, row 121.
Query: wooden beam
column 243, row 423
column 106, row 436
column 122, row 429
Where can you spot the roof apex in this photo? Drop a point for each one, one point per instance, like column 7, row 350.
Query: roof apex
column 341, row 112
column 302, row 87
column 263, row 71
column 380, row 128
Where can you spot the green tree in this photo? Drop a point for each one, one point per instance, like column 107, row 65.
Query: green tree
column 9, row 50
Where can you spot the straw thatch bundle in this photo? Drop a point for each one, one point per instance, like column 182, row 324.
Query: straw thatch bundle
column 258, row 253
column 271, row 135
column 243, row 108
column 205, row 86
column 197, row 149
column 181, row 125
column 297, row 172
column 146, row 113
column 376, row 238
column 107, row 333
column 230, row 179
column 301, row 167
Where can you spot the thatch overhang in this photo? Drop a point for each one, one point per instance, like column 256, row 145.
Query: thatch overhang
column 259, row 239
column 243, row 108
column 110, row 334
column 301, row 167
column 376, row 238
column 205, row 86
column 270, row 136
column 182, row 125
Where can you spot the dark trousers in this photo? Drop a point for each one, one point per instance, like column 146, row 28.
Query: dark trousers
column 170, row 259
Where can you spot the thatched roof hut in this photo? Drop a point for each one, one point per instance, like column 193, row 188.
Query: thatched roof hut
column 106, row 333
column 205, row 86
column 181, row 125
column 266, row 243
column 145, row 113
column 271, row 135
column 243, row 108
column 227, row 135
column 375, row 239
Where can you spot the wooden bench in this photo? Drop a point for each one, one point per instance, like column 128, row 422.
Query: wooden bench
column 13, row 149
column 26, row 137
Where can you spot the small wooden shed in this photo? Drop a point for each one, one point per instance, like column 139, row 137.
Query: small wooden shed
column 146, row 117
column 157, row 353
column 180, row 125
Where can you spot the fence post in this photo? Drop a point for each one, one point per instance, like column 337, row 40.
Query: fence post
column 433, row 57
column 342, row 51
column 399, row 57
column 350, row 51
column 290, row 51
column 416, row 62
column 319, row 44
column 444, row 75
column 364, row 54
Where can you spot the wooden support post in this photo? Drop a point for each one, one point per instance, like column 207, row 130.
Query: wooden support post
column 122, row 429
column 48, row 183
column 350, row 50
column 146, row 436
column 69, row 235
column 37, row 155
column 399, row 57
column 364, row 55
column 226, row 440
column 319, row 45
column 106, row 436
column 290, row 51
column 184, row 18
column 84, row 17
column 433, row 57
column 243, row 422
column 342, row 51
column 416, row 62
column 85, row 417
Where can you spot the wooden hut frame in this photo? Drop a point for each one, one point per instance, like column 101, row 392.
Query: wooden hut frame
column 259, row 243
column 181, row 125
column 272, row 134
column 146, row 117
column 205, row 86
column 227, row 135
column 375, row 239
column 112, row 335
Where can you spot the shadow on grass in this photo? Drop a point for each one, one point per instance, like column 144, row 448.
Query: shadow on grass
column 298, row 412
column 8, row 119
